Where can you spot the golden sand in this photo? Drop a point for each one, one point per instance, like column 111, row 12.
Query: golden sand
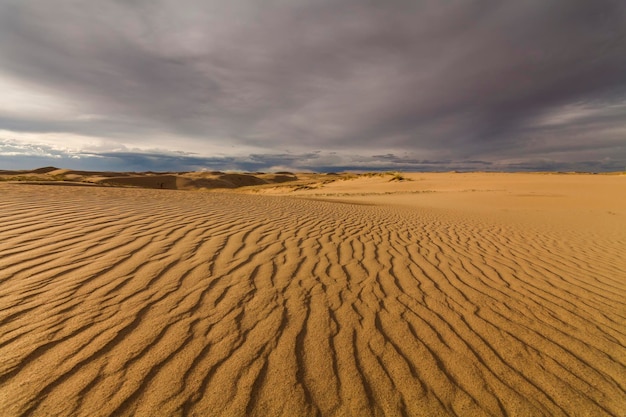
column 449, row 294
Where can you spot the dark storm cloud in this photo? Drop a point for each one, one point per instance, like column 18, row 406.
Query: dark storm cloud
column 476, row 81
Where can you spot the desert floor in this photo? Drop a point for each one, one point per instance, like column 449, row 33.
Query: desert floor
column 443, row 294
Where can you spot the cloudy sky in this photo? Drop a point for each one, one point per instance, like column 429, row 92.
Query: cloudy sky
column 313, row 84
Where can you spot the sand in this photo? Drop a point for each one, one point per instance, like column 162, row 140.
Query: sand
column 157, row 180
column 444, row 294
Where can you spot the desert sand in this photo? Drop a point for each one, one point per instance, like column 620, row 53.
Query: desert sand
column 415, row 295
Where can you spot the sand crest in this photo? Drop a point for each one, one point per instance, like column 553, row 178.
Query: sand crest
column 481, row 296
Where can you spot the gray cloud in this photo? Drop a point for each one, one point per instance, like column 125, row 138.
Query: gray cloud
column 503, row 83
column 15, row 155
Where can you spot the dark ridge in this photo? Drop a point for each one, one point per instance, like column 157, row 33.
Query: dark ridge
column 241, row 180
column 43, row 170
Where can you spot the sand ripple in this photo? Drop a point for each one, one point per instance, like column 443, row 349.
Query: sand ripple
column 144, row 302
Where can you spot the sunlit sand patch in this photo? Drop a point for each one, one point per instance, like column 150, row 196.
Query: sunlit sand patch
column 478, row 297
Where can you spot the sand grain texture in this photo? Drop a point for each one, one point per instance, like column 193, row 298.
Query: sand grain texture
column 157, row 302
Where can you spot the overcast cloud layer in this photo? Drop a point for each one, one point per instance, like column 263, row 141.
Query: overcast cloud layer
column 316, row 85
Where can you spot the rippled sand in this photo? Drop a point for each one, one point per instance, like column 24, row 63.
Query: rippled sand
column 426, row 301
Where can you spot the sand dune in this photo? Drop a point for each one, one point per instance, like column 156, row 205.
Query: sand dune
column 158, row 180
column 141, row 302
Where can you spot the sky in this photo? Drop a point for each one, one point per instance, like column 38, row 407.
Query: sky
column 314, row 85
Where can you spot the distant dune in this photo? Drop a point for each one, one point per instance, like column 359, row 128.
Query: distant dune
column 170, row 181
column 305, row 294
